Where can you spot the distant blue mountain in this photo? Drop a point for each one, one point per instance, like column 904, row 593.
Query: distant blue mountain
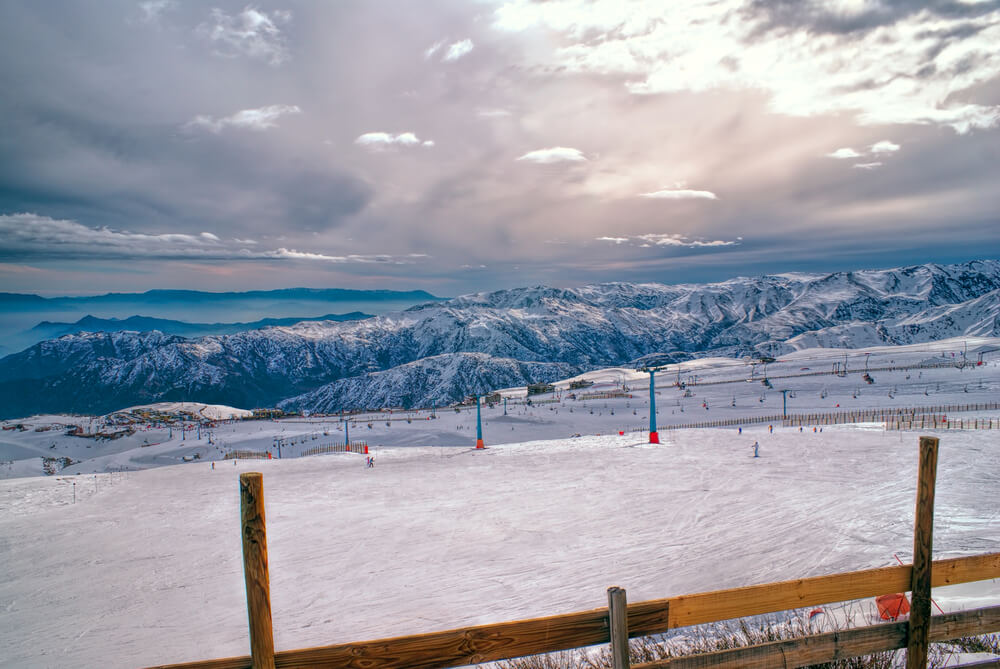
column 188, row 312
column 50, row 330
column 201, row 298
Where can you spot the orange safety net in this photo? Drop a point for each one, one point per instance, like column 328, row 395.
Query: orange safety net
column 892, row 606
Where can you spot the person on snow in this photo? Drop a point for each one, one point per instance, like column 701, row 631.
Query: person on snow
column 756, row 449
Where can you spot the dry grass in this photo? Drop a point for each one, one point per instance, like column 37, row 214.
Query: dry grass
column 739, row 634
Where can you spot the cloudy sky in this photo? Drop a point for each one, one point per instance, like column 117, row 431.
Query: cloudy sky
column 470, row 145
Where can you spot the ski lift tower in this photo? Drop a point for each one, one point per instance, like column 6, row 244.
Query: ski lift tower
column 654, row 436
column 479, row 425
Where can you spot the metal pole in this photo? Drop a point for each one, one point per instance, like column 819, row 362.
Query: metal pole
column 654, row 437
column 479, row 426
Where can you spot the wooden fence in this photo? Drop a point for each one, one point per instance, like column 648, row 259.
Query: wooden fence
column 353, row 447
column 835, row 417
column 243, row 454
column 942, row 423
column 621, row 621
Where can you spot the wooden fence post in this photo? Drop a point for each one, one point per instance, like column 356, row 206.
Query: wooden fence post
column 618, row 621
column 920, row 584
column 255, row 570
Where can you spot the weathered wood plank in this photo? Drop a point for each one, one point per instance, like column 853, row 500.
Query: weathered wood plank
column 255, row 570
column 831, row 646
column 453, row 648
column 923, row 532
column 618, row 618
column 755, row 599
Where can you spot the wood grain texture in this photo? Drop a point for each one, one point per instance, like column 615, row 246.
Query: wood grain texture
column 573, row 630
column 821, row 648
column 751, row 600
column 255, row 570
column 453, row 648
column 920, row 580
column 618, row 619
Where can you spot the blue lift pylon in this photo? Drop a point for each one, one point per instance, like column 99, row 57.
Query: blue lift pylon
column 479, row 426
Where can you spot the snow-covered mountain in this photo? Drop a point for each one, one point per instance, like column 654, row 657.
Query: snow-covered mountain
column 583, row 328
column 435, row 381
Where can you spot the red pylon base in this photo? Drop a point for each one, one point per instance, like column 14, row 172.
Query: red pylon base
column 480, row 444
column 654, row 437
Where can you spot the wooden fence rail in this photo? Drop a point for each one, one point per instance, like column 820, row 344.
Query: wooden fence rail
column 841, row 644
column 487, row 643
column 493, row 642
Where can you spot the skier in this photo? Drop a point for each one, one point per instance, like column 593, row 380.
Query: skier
column 756, row 449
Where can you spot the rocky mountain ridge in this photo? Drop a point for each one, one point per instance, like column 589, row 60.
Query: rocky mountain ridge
column 529, row 334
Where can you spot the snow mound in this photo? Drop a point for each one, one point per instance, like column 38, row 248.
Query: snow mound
column 210, row 411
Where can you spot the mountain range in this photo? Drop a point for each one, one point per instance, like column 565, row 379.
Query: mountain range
column 442, row 351
column 200, row 297
column 50, row 330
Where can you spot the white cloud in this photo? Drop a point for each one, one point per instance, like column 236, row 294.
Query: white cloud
column 682, row 240
column 556, row 154
column 844, row 153
column 458, row 49
column 30, row 236
column 382, row 140
column 667, row 239
column 254, row 119
column 867, row 166
column 433, row 49
column 252, row 33
column 492, row 113
column 885, row 146
column 680, row 194
column 704, row 45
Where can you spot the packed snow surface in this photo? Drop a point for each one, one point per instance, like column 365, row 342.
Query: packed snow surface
column 131, row 556
column 146, row 568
